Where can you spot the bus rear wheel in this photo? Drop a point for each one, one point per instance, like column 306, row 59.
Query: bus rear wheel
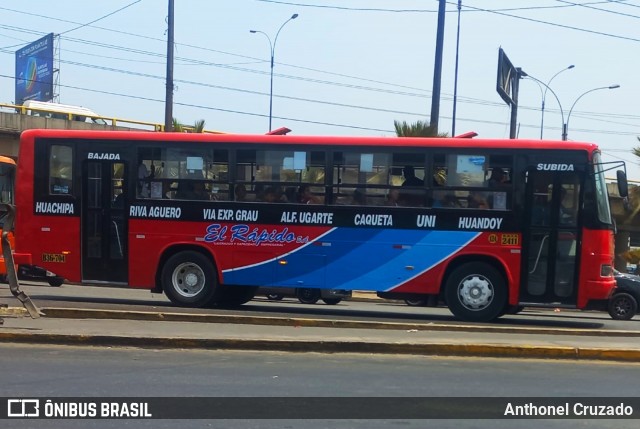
column 189, row 279
column 308, row 295
column 476, row 292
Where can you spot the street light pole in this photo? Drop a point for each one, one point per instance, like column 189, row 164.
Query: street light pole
column 524, row 74
column 544, row 97
column 272, row 48
column 565, row 125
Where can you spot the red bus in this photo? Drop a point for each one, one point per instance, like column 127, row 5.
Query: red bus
column 484, row 226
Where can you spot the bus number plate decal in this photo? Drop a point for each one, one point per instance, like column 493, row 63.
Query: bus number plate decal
column 509, row 240
column 53, row 257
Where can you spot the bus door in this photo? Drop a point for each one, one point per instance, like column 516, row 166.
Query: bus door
column 104, row 221
column 551, row 238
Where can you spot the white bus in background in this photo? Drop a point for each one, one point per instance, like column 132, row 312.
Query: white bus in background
column 61, row 111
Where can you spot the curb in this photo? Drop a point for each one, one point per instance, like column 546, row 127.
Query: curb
column 467, row 350
column 66, row 313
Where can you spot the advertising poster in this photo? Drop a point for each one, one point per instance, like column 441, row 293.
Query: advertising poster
column 34, row 71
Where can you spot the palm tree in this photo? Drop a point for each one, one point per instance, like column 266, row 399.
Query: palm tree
column 417, row 129
column 178, row 127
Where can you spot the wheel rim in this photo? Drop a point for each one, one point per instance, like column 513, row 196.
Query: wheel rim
column 188, row 279
column 622, row 306
column 475, row 292
column 308, row 294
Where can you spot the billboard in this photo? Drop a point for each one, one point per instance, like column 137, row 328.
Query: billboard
column 34, row 71
column 506, row 75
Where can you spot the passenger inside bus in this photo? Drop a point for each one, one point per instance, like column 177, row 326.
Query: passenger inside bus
column 448, row 200
column 410, row 178
column 359, row 198
column 393, row 198
column 477, row 201
column 270, row 195
column 240, row 192
column 192, row 190
column 144, row 173
column 305, row 196
column 498, row 178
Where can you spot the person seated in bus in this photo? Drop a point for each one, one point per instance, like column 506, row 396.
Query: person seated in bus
column 567, row 214
column 192, row 190
column 359, row 197
column 498, row 178
column 259, row 192
column 270, row 195
column 240, row 192
column 290, row 194
column 393, row 198
column 410, row 178
column 118, row 201
column 306, row 197
column 477, row 201
column 144, row 190
column 447, row 200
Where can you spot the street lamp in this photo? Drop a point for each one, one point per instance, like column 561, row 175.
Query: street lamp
column 565, row 126
column 272, row 47
column 544, row 97
column 524, row 74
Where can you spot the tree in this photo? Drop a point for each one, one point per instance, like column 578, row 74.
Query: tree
column 634, row 193
column 198, row 127
column 417, row 129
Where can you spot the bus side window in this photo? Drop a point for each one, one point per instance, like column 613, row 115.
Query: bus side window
column 60, row 170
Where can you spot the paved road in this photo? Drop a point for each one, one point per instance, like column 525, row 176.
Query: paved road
column 51, row 371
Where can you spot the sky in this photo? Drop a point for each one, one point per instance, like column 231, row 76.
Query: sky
column 345, row 67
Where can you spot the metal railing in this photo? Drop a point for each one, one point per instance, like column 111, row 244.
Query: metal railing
column 114, row 122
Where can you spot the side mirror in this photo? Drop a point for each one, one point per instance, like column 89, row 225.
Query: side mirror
column 623, row 186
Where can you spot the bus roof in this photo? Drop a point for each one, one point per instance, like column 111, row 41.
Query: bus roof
column 315, row 140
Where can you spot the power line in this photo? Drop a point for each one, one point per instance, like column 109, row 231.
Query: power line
column 587, row 6
column 84, row 25
column 101, row 18
column 367, row 9
column 474, row 120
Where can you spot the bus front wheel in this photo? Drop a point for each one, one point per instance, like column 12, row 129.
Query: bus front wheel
column 476, row 292
column 189, row 279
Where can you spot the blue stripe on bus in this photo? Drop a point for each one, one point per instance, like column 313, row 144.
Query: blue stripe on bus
column 358, row 259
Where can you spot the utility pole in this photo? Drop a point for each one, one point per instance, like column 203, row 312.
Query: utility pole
column 515, row 84
column 168, row 108
column 437, row 67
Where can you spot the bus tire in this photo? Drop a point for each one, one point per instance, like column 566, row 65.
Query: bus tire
column 55, row 281
column 476, row 292
column 308, row 295
column 331, row 301
column 234, row 296
column 189, row 279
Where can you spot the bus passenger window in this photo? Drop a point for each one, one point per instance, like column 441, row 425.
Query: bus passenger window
column 60, row 170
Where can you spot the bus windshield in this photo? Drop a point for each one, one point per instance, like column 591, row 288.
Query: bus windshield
column 602, row 197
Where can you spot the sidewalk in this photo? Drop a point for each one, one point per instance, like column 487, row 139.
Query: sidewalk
column 180, row 330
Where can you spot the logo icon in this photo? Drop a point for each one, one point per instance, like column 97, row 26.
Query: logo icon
column 23, row 408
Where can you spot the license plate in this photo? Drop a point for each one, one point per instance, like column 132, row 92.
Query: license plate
column 53, row 257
